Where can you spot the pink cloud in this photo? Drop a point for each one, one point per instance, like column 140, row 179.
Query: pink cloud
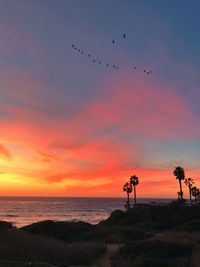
column 146, row 109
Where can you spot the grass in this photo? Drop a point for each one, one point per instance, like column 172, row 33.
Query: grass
column 177, row 249
column 18, row 247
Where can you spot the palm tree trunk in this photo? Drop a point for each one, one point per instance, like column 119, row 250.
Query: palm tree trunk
column 181, row 191
column 128, row 201
column 190, row 195
column 134, row 195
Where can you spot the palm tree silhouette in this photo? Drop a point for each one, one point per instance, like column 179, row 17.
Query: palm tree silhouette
column 180, row 175
column 189, row 182
column 194, row 192
column 134, row 181
column 128, row 189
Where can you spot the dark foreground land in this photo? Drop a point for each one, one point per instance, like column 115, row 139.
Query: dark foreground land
column 146, row 236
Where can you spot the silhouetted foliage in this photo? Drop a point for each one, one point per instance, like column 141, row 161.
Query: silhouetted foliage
column 154, row 253
column 196, row 194
column 189, row 182
column 180, row 175
column 128, row 189
column 6, row 225
column 134, row 181
column 67, row 231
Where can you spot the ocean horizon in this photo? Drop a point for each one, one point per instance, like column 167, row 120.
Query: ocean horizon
column 22, row 210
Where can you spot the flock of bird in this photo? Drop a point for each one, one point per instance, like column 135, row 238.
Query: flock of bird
column 99, row 62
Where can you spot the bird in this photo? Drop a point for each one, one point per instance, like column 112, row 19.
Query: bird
column 73, row 45
column 75, row 48
column 117, row 67
column 107, row 64
column 94, row 60
column 88, row 55
column 78, row 50
column 124, row 35
column 144, row 70
column 82, row 52
column 113, row 41
column 135, row 68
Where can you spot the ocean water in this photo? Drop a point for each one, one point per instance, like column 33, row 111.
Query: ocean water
column 26, row 210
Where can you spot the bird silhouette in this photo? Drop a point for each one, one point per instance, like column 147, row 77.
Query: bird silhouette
column 114, row 66
column 124, row 35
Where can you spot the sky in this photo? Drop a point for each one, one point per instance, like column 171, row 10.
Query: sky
column 71, row 127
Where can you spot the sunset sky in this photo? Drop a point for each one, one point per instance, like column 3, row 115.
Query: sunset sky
column 71, row 127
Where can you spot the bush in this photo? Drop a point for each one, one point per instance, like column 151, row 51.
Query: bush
column 6, row 225
column 66, row 231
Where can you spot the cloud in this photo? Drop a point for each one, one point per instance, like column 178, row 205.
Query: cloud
column 47, row 157
column 5, row 153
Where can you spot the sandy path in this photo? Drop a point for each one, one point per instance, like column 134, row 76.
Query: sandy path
column 104, row 261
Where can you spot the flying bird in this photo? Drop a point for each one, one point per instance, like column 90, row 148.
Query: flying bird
column 88, row 55
column 82, row 52
column 94, row 60
column 107, row 64
column 124, row 35
column 113, row 41
column 73, row 45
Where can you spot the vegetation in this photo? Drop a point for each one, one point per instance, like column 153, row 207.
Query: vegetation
column 148, row 235
column 129, row 187
column 180, row 175
column 20, row 248
column 134, row 181
column 165, row 250
column 189, row 182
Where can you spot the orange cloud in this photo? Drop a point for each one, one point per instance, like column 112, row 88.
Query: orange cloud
column 98, row 146
column 47, row 157
column 5, row 153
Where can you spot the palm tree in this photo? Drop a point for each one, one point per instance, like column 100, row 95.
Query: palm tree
column 180, row 175
column 134, row 181
column 128, row 189
column 189, row 182
column 194, row 192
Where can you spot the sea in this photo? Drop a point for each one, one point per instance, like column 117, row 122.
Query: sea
column 23, row 211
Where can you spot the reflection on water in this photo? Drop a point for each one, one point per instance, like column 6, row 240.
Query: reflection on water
column 26, row 210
